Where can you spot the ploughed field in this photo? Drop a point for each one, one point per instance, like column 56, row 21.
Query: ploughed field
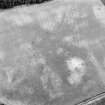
column 52, row 54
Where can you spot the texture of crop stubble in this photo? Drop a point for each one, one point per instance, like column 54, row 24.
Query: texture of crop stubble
column 52, row 54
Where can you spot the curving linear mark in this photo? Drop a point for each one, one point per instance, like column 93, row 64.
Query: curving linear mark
column 99, row 69
column 88, row 45
column 99, row 12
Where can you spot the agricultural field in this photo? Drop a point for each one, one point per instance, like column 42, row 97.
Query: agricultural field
column 52, row 54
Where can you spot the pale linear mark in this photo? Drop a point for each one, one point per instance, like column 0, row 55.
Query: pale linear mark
column 88, row 44
column 99, row 69
column 72, row 13
column 55, row 80
column 48, row 21
column 2, row 55
column 19, row 19
column 60, row 50
column 99, row 12
column 11, row 102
